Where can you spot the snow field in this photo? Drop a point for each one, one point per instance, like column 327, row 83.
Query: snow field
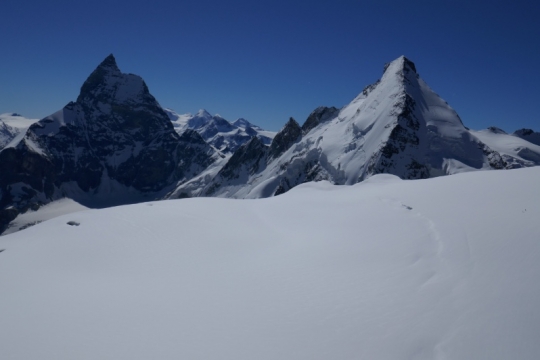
column 444, row 268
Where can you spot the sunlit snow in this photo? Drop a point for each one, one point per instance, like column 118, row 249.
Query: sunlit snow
column 444, row 268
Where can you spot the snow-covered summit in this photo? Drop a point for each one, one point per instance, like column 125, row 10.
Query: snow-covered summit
column 397, row 125
column 243, row 123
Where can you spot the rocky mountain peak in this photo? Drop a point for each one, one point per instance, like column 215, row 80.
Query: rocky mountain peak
column 401, row 63
column 203, row 113
column 319, row 115
column 408, row 64
column 283, row 140
column 401, row 72
column 243, row 123
column 496, row 130
column 200, row 119
column 109, row 63
column 108, row 84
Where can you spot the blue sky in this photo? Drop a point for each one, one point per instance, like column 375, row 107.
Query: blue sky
column 268, row 60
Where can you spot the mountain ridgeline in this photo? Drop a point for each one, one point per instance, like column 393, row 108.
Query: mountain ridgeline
column 115, row 144
column 396, row 125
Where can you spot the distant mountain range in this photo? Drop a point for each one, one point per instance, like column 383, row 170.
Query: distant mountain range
column 225, row 136
column 115, row 144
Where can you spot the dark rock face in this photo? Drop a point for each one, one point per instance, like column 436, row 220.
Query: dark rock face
column 404, row 136
column 409, row 65
column 26, row 182
column 251, row 155
column 115, row 130
column 7, row 133
column 368, row 89
column 284, row 139
column 318, row 116
column 247, row 160
column 193, row 155
column 494, row 158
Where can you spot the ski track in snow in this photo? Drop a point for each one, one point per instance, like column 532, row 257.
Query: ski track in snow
column 434, row 235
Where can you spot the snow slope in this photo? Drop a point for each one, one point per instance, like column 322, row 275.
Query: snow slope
column 12, row 128
column 517, row 152
column 443, row 268
column 44, row 213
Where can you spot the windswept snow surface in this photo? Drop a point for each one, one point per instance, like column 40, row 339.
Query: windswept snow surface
column 444, row 268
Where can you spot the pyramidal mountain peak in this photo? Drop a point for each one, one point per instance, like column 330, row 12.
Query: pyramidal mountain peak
column 109, row 63
column 115, row 144
column 243, row 123
column 204, row 113
column 402, row 63
column 397, row 125
column 107, row 81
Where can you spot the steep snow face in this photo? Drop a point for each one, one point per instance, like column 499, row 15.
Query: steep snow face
column 397, row 125
column 218, row 132
column 443, row 268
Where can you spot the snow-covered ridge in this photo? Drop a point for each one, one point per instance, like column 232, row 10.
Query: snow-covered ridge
column 224, row 135
column 442, row 268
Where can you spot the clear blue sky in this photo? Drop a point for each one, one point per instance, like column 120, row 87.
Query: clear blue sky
column 268, row 60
